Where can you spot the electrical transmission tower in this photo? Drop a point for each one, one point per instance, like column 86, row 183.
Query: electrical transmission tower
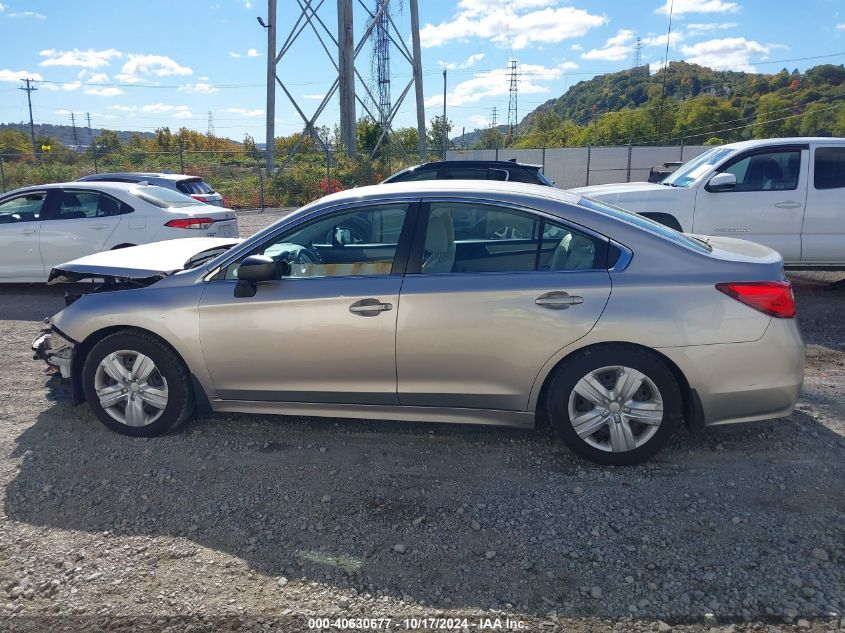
column 29, row 89
column 382, row 53
column 638, row 53
column 513, row 102
column 210, row 132
column 75, row 135
column 494, row 117
column 380, row 27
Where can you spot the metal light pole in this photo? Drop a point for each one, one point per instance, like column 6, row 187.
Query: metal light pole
column 418, row 82
column 445, row 127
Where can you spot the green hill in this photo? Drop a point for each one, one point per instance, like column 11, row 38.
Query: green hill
column 64, row 133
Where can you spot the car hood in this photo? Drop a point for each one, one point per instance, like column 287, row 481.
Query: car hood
column 618, row 188
column 143, row 262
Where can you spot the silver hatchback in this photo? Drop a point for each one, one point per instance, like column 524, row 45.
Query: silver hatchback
column 457, row 301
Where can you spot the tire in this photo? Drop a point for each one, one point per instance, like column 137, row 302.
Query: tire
column 161, row 398
column 604, row 439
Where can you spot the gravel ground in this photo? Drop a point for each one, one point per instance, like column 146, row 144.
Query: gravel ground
column 258, row 523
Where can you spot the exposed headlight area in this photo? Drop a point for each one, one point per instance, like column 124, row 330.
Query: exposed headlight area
column 56, row 350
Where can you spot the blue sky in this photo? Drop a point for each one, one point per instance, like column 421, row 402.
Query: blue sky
column 141, row 65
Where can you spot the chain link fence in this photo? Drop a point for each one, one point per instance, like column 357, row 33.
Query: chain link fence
column 309, row 174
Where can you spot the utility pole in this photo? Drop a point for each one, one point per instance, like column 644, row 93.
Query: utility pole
column 75, row 136
column 665, row 73
column 513, row 89
column 346, row 77
column 270, row 138
column 445, row 126
column 418, row 82
column 93, row 142
column 29, row 88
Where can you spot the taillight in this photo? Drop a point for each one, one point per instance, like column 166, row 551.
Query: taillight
column 774, row 298
column 190, row 223
column 196, row 196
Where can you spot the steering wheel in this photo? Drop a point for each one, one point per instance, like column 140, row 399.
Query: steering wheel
column 507, row 233
column 307, row 255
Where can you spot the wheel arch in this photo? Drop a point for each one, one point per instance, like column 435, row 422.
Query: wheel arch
column 693, row 417
column 84, row 348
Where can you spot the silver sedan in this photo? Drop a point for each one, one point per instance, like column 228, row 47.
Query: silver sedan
column 454, row 301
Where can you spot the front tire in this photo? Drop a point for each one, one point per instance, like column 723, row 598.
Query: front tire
column 136, row 385
column 615, row 404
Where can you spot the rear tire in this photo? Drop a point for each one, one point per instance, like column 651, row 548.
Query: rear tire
column 624, row 400
column 137, row 385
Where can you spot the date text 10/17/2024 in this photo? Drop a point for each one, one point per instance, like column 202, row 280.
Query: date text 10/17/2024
column 419, row 624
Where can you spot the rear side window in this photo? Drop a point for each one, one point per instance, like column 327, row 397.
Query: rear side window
column 417, row 174
column 523, row 175
column 829, row 168
column 75, row 205
column 194, row 187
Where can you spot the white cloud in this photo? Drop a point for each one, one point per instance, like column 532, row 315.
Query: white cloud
column 247, row 4
column 2, row 7
column 140, row 66
column 681, row 7
column 244, row 112
column 98, row 78
column 198, row 87
column 103, row 91
column 123, row 108
column 252, row 53
column 314, row 97
column 730, row 53
column 50, row 87
column 615, row 49
column 479, row 121
column 711, row 26
column 660, row 40
column 76, row 85
column 76, row 57
column 468, row 63
column 234, row 55
column 17, row 75
column 28, row 14
column 514, row 23
column 495, row 83
column 576, row 47
column 840, row 27
column 183, row 113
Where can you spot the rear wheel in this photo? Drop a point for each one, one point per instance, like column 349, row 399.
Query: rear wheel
column 616, row 404
column 136, row 385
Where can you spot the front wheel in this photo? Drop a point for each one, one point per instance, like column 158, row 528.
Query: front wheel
column 136, row 385
column 615, row 404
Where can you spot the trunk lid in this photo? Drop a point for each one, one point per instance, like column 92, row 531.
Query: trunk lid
column 145, row 262
column 767, row 262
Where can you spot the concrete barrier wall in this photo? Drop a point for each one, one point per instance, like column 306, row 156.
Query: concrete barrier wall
column 567, row 166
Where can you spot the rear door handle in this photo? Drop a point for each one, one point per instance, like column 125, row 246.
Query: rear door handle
column 100, row 227
column 558, row 300
column 29, row 231
column 369, row 307
column 788, row 205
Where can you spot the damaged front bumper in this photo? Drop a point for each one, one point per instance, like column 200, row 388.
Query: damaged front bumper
column 55, row 349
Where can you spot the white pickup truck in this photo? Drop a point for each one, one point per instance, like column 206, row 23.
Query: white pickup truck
column 786, row 193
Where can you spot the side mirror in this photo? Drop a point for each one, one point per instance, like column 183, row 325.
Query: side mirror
column 255, row 269
column 721, row 182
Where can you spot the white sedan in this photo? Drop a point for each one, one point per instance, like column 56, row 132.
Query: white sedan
column 46, row 225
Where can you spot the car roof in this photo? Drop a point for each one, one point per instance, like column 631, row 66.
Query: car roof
column 503, row 164
column 142, row 174
column 792, row 140
column 490, row 189
column 106, row 186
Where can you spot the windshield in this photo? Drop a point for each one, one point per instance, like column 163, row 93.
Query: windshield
column 692, row 170
column 644, row 223
column 164, row 198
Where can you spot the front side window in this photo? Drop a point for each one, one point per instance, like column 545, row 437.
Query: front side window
column 363, row 241
column 25, row 208
column 769, row 171
column 829, row 168
column 694, row 169
column 75, row 205
column 479, row 238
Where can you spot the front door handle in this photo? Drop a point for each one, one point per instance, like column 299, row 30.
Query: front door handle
column 788, row 205
column 100, row 227
column 558, row 300
column 369, row 307
column 29, row 231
